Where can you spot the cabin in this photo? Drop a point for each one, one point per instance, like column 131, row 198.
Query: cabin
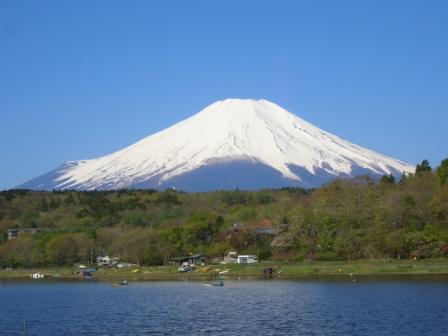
column 196, row 259
column 14, row 233
column 247, row 259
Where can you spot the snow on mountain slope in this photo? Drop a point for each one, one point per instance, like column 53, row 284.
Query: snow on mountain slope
column 234, row 130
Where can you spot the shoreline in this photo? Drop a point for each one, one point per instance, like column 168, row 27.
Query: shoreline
column 203, row 279
column 286, row 270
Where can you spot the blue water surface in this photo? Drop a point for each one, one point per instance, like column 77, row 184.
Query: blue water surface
column 270, row 307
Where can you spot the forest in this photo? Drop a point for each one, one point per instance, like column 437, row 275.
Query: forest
column 347, row 219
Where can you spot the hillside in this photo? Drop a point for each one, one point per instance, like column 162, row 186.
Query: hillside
column 346, row 219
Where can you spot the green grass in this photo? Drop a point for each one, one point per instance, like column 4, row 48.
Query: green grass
column 288, row 269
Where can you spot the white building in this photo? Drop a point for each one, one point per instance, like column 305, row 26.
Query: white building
column 247, row 259
column 231, row 258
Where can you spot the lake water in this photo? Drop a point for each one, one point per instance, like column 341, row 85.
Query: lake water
column 259, row 307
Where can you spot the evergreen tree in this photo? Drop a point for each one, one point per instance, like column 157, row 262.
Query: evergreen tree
column 388, row 179
column 422, row 167
column 442, row 171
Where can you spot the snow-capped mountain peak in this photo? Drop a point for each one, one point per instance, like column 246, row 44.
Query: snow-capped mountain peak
column 248, row 132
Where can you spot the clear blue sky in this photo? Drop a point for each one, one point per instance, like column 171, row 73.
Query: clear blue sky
column 80, row 79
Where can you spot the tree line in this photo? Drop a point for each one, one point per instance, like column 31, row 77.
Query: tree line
column 343, row 220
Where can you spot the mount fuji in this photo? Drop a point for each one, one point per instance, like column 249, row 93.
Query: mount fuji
column 235, row 143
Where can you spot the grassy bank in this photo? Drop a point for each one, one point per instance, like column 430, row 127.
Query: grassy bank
column 297, row 269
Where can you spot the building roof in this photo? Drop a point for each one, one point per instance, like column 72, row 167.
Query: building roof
column 196, row 256
column 264, row 231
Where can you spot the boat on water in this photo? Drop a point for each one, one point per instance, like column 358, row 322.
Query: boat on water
column 122, row 283
column 219, row 283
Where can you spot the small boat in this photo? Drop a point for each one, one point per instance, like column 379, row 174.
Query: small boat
column 218, row 284
column 122, row 283
column 37, row 276
column 215, row 284
column 88, row 273
column 186, row 267
column 268, row 271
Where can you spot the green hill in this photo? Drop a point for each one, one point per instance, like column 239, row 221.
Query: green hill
column 346, row 219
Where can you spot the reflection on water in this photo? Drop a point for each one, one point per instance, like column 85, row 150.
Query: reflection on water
column 317, row 307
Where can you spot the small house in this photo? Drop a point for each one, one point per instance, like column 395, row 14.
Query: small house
column 14, row 233
column 247, row 259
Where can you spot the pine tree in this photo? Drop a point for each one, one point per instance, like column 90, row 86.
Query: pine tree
column 423, row 167
column 442, row 171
